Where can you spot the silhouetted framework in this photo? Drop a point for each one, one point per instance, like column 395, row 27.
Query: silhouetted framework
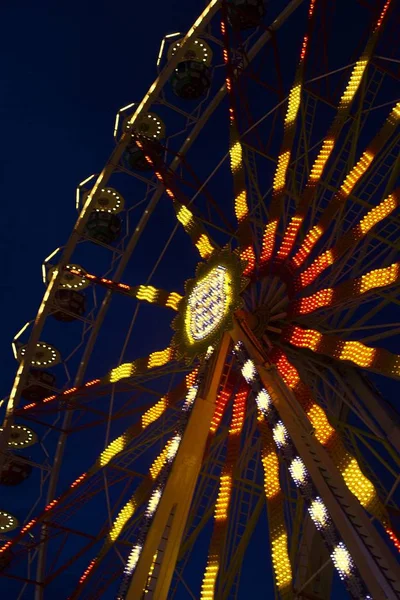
column 264, row 407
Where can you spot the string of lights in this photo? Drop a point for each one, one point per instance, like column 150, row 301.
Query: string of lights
column 285, row 448
column 241, row 205
column 147, row 293
column 285, row 152
column 192, row 226
column 221, row 511
column 124, row 371
column 349, row 239
column 348, row 290
column 347, row 187
column 328, row 143
column 113, row 449
column 359, row 485
column 275, row 506
column 377, row 359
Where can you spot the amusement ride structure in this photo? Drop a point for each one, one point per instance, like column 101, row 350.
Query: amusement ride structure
column 246, row 414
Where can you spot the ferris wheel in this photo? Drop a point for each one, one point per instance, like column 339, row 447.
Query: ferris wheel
column 240, row 248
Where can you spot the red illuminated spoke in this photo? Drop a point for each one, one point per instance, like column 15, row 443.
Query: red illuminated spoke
column 279, row 181
column 351, row 180
column 328, row 144
column 222, row 506
column 220, row 405
column 349, row 239
column 373, row 359
column 348, row 290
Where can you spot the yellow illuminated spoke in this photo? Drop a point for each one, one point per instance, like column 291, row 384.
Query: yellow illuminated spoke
column 349, row 239
column 279, row 181
column 275, row 504
column 129, row 508
column 327, row 147
column 352, row 178
column 359, row 485
column 145, row 293
column 375, row 279
column 200, row 238
column 141, row 365
column 376, row 359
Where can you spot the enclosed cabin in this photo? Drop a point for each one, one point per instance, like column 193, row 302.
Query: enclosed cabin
column 246, row 14
column 104, row 224
column 69, row 301
column 191, row 78
column 151, row 129
column 16, row 469
column 7, row 523
column 15, row 472
column 40, row 382
column 39, row 385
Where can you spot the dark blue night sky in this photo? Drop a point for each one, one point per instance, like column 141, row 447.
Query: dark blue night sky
column 67, row 67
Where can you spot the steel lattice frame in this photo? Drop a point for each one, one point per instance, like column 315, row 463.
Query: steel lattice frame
column 301, row 342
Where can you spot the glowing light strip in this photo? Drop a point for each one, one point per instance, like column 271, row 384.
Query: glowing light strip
column 241, row 205
column 351, row 180
column 358, row 484
column 118, row 445
column 275, row 499
column 341, row 558
column 235, row 145
column 145, row 293
column 129, row 509
column 366, row 223
column 328, row 144
column 382, row 15
column 78, row 189
column 224, row 494
column 192, row 380
column 160, row 358
column 124, row 371
column 347, row 290
column 358, row 353
column 279, row 181
column 220, row 404
column 191, row 225
column 21, row 331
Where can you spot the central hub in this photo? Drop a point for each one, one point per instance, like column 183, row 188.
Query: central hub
column 208, row 304
column 210, row 301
